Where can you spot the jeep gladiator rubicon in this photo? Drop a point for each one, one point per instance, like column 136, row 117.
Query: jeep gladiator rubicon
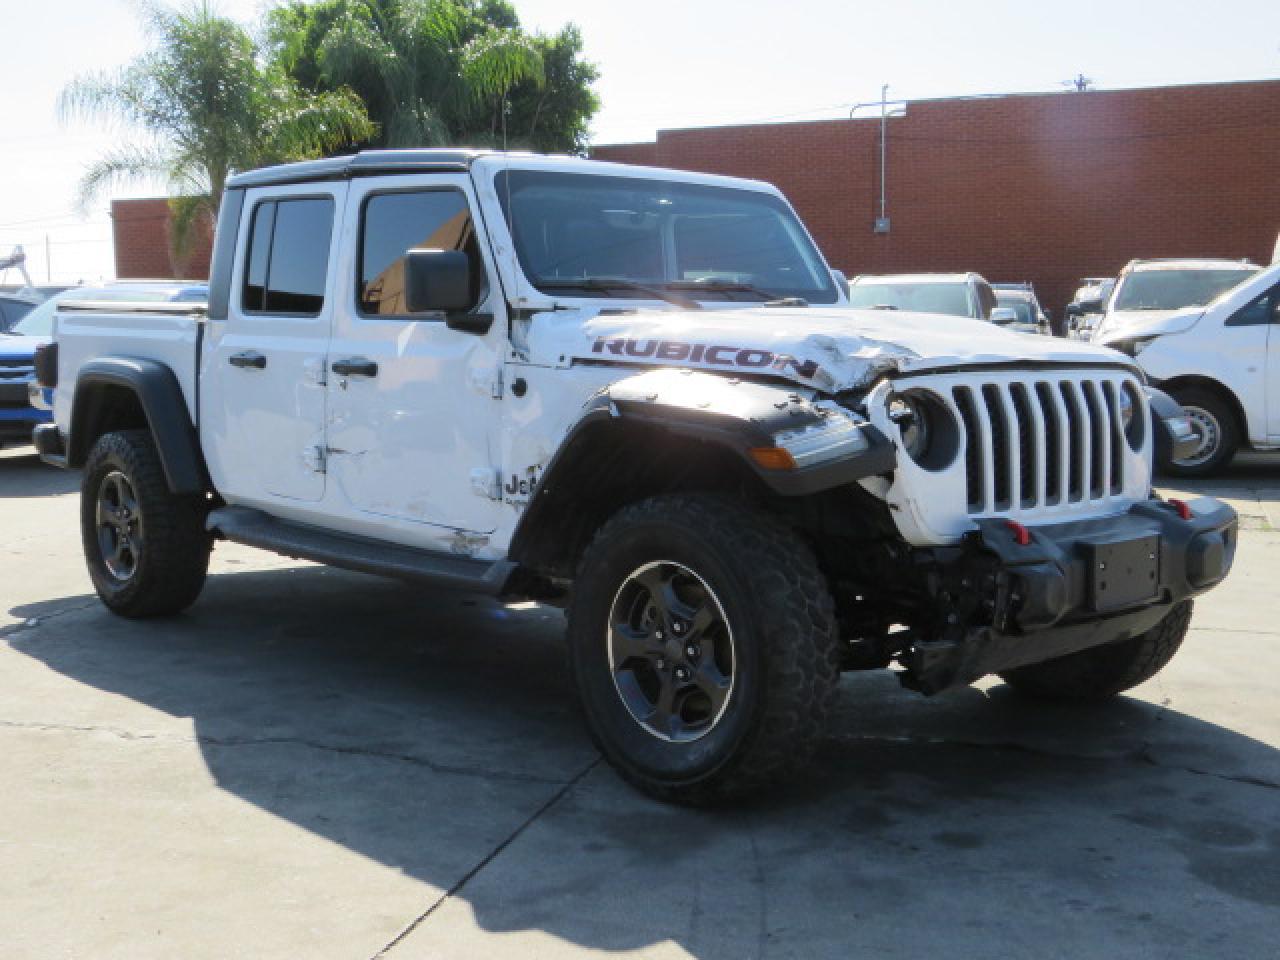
column 640, row 394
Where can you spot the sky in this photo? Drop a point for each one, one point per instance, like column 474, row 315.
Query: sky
column 663, row 64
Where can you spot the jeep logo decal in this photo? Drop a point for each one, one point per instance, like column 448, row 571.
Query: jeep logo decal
column 718, row 355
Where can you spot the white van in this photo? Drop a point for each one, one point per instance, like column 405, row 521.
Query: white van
column 1221, row 362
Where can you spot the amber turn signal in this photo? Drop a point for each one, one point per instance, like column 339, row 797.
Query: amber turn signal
column 773, row 458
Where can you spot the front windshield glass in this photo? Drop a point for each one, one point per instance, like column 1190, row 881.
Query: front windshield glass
column 710, row 243
column 1019, row 306
column 38, row 322
column 948, row 298
column 1175, row 289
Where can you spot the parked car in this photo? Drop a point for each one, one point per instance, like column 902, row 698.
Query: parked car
column 1029, row 316
column 1147, row 290
column 1221, row 362
column 23, row 403
column 1086, row 306
column 13, row 307
column 953, row 294
column 653, row 408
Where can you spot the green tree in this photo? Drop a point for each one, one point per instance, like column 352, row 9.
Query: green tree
column 206, row 103
column 436, row 72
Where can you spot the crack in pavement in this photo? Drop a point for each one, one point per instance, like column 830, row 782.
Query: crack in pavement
column 432, row 765
column 34, row 623
column 486, row 860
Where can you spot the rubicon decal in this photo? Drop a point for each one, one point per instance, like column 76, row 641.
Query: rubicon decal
column 716, row 355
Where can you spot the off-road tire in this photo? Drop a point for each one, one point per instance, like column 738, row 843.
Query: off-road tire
column 786, row 651
column 173, row 557
column 1103, row 672
column 1227, row 439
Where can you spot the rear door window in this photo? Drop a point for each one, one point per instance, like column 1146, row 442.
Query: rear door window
column 287, row 262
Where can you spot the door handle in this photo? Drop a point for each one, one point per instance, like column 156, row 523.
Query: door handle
column 250, row 358
column 355, row 367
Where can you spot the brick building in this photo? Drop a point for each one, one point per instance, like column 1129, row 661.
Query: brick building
column 1040, row 187
column 140, row 231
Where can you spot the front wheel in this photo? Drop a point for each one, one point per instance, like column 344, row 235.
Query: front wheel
column 1217, row 434
column 703, row 643
column 1100, row 673
column 146, row 548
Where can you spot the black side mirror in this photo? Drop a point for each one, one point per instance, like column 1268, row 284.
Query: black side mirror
column 440, row 281
column 437, row 280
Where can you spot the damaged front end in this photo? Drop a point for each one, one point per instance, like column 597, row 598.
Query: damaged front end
column 1009, row 596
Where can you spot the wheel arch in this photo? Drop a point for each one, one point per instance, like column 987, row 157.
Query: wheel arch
column 120, row 393
column 665, row 432
column 1217, row 387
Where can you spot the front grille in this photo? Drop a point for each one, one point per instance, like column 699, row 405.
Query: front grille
column 1043, row 443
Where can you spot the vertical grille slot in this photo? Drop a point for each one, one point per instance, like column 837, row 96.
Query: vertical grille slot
column 1054, row 444
column 1002, row 433
column 1030, row 448
column 1077, row 442
column 1099, row 441
column 1115, row 428
column 973, row 448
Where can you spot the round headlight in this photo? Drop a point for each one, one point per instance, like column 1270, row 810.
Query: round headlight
column 927, row 427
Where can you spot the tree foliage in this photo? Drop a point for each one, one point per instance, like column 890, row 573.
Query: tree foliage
column 436, row 72
column 206, row 103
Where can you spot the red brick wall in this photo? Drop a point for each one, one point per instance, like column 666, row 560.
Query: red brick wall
column 140, row 230
column 1047, row 188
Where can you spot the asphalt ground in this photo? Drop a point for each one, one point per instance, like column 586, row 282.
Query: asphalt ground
column 315, row 764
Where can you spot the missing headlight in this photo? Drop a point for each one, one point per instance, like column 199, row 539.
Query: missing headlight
column 926, row 427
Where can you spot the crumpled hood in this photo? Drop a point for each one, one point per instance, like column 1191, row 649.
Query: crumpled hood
column 20, row 348
column 1136, row 324
column 1110, row 324
column 829, row 349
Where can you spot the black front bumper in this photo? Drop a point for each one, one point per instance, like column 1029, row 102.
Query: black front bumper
column 1070, row 586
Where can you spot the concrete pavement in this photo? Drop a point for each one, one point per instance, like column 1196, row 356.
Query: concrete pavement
column 317, row 764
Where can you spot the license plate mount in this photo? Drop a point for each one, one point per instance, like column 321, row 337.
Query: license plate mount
column 1123, row 573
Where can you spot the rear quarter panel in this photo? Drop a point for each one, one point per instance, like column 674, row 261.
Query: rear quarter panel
column 85, row 335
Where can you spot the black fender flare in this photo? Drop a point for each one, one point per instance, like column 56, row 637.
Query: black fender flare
column 160, row 395
column 735, row 416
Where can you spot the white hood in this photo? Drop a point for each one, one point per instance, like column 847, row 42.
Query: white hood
column 827, row 348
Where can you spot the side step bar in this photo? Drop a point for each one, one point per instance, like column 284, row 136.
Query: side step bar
column 254, row 528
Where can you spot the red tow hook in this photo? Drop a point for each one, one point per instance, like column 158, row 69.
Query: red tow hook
column 1183, row 508
column 1021, row 535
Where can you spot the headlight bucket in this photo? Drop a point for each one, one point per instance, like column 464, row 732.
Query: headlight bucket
column 927, row 428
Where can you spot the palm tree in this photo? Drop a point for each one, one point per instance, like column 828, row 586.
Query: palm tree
column 435, row 71
column 207, row 105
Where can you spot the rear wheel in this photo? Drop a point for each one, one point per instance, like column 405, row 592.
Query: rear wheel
column 1103, row 672
column 1216, row 429
column 704, row 646
column 146, row 548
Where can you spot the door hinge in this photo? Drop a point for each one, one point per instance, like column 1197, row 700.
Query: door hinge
column 485, row 482
column 316, row 458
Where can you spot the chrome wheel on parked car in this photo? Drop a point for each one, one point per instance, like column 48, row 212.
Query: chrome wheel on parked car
column 119, row 525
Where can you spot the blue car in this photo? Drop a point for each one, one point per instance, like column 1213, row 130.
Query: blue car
column 20, row 410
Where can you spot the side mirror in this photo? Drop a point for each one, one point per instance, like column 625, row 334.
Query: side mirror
column 439, row 281
column 1003, row 315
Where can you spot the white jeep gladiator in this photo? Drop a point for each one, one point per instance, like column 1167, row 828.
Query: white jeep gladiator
column 640, row 394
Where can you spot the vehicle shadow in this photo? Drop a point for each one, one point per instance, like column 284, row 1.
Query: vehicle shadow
column 423, row 729
column 24, row 474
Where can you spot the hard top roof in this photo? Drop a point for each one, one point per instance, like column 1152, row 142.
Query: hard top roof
column 364, row 163
column 1189, row 263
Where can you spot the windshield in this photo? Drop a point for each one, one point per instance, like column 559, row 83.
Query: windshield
column 948, row 298
column 711, row 243
column 1020, row 306
column 38, row 322
column 1174, row 289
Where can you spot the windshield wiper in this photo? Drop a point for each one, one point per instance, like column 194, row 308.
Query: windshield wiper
column 619, row 283
column 732, row 286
